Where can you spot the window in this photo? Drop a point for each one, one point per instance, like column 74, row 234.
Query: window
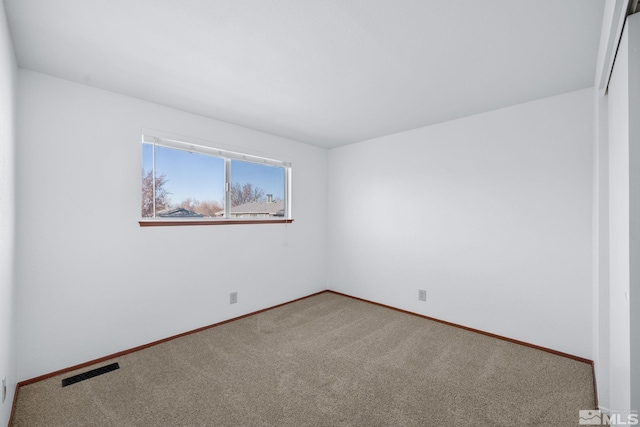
column 256, row 190
column 186, row 183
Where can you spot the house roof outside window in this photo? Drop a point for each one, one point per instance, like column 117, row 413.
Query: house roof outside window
column 275, row 208
column 179, row 213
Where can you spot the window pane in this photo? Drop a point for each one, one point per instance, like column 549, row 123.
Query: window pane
column 147, row 181
column 256, row 191
column 186, row 184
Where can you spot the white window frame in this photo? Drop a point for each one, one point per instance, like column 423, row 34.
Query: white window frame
column 181, row 143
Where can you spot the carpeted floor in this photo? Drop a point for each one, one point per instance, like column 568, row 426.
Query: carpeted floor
column 327, row 360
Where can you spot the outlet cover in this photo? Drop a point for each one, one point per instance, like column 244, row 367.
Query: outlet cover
column 233, row 298
column 422, row 295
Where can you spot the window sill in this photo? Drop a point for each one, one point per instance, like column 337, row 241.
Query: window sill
column 165, row 223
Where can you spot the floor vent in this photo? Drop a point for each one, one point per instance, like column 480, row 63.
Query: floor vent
column 89, row 374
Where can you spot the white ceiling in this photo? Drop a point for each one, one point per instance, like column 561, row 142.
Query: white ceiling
column 324, row 72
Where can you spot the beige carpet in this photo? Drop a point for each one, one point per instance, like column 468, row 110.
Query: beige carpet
column 327, row 360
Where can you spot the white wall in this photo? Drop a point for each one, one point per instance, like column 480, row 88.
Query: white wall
column 600, row 236
column 491, row 214
column 633, row 23
column 92, row 281
column 619, row 229
column 624, row 222
column 8, row 73
column 613, row 22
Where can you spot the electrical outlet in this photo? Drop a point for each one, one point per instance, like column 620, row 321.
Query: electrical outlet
column 233, row 298
column 4, row 389
column 422, row 295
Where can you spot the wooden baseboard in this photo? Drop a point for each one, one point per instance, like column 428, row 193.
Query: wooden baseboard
column 478, row 331
column 151, row 344
column 489, row 334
